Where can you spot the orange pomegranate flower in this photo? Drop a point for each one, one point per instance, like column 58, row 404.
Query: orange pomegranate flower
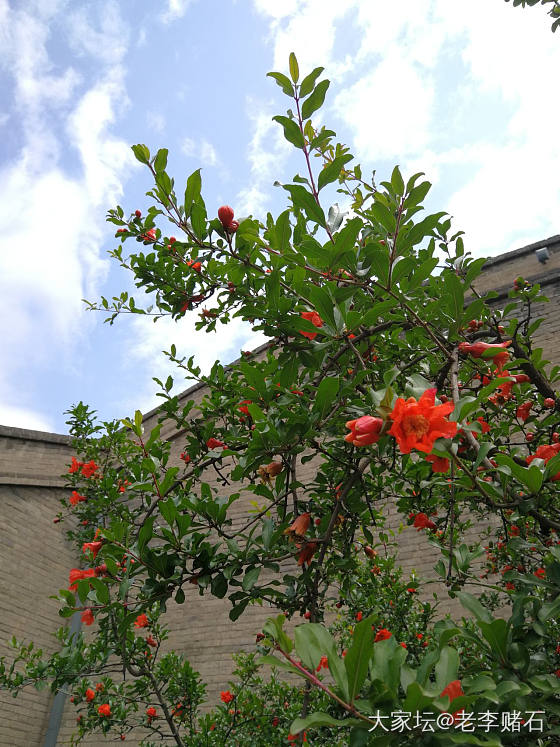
column 364, row 431
column 306, row 553
column 417, row 424
column 439, row 464
column 453, row 690
column 496, row 351
column 95, row 547
column 382, row 635
column 87, row 617
column 77, row 575
column 299, row 526
column 315, row 319
column 421, row 521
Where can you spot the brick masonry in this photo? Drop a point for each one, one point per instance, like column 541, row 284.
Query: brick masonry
column 35, row 558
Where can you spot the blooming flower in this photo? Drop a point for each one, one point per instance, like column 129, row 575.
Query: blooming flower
column 151, row 712
column 141, row 621
column 185, row 457
column 104, row 710
column 87, row 617
column 453, row 690
column 364, row 431
column 439, row 464
column 90, row 695
column 540, row 573
column 546, row 452
column 95, row 547
column 417, row 424
column 100, row 687
column 213, row 443
column 382, row 635
column 523, row 411
column 151, row 642
column 89, row 469
column 273, row 469
column 226, row 696
column 496, row 351
column 299, row 526
column 359, row 616
column 306, row 553
column 75, row 466
column 76, row 498
column 323, row 663
column 243, row 406
column 315, row 319
column 77, row 575
column 421, row 521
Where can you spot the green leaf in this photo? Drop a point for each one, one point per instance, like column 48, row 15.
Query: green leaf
column 305, row 201
column 251, row 578
column 160, row 161
column 198, row 219
column 219, row 586
column 496, row 633
column 315, row 100
column 378, row 259
column 294, row 67
column 313, row 641
column 331, row 171
column 447, row 667
column 308, row 83
column 283, row 231
column 180, row 596
column 472, row 604
column 326, row 395
column 321, row 719
column 322, row 302
column 168, row 480
column 146, row 533
column 397, row 182
column 238, row 610
column 272, row 661
column 292, row 133
column 284, row 83
column 192, row 192
column 356, row 661
column 452, row 298
column 532, row 477
column 142, row 153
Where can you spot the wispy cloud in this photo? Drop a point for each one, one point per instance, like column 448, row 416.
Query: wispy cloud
column 175, row 9
column 148, row 340
column 50, row 246
column 201, row 150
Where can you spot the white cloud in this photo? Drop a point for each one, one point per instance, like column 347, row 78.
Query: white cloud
column 386, row 122
column 175, row 9
column 149, row 339
column 201, row 150
column 53, row 228
column 267, row 151
column 21, row 417
column 105, row 39
column 156, row 121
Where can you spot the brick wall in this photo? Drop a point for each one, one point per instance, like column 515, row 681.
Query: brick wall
column 35, row 558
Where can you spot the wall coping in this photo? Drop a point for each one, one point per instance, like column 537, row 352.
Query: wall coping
column 506, row 256
column 26, row 434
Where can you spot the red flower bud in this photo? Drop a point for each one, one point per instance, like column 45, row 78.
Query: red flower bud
column 549, row 402
column 138, row 213
column 225, row 214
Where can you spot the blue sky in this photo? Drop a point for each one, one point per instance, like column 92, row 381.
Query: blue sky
column 461, row 91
